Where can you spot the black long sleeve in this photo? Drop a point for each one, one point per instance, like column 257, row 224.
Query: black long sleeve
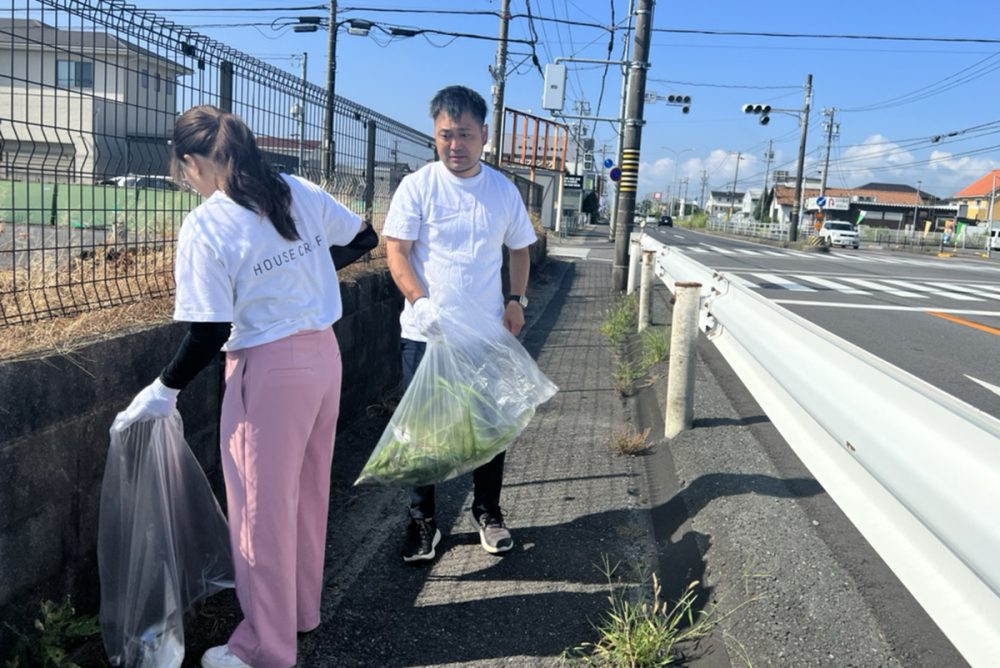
column 363, row 242
column 201, row 343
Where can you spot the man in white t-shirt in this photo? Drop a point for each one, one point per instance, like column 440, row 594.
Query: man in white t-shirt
column 445, row 232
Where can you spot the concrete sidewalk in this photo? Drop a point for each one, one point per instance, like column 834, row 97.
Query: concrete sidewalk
column 725, row 504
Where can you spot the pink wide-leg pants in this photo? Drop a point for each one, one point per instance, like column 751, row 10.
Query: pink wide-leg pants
column 279, row 420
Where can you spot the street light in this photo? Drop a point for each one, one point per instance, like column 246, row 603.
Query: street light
column 676, row 153
column 358, row 27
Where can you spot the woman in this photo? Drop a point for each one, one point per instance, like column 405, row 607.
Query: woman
column 255, row 278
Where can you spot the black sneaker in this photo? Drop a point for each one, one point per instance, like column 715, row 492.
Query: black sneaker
column 493, row 533
column 422, row 536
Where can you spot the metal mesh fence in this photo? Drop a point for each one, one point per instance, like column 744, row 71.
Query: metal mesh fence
column 89, row 91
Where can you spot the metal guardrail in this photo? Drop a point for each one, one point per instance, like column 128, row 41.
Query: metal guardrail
column 971, row 240
column 915, row 469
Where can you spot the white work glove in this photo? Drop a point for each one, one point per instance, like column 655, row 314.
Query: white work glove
column 427, row 317
column 155, row 401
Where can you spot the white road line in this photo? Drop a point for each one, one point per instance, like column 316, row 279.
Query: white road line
column 886, row 307
column 969, row 290
column 984, row 286
column 782, row 282
column 989, row 386
column 872, row 285
column 724, row 251
column 833, row 285
column 739, row 280
column 933, row 290
column 747, row 251
column 569, row 251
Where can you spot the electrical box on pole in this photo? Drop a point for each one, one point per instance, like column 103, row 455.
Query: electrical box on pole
column 554, row 95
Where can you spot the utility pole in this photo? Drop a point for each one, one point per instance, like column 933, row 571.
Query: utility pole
column 302, row 115
column 793, row 224
column 704, row 183
column 331, row 81
column 768, row 157
column 732, row 193
column 831, row 130
column 989, row 226
column 621, row 124
column 499, row 71
column 916, row 204
column 631, row 142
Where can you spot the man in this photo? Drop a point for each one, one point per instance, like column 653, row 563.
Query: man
column 445, row 231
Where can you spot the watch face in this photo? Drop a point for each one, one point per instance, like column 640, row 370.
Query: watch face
column 523, row 301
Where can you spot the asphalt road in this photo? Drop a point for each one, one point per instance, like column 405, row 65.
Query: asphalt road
column 935, row 317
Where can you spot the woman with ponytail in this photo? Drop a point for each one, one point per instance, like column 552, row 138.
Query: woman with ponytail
column 255, row 278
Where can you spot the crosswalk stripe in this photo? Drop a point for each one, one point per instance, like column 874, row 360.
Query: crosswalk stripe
column 782, row 282
column 983, row 286
column 739, row 280
column 933, row 290
column 969, row 290
column 747, row 251
column 724, row 251
column 872, row 285
column 833, row 285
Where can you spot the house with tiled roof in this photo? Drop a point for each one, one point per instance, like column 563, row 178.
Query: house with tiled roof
column 980, row 196
column 889, row 205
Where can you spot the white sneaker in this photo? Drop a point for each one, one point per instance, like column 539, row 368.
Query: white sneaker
column 221, row 657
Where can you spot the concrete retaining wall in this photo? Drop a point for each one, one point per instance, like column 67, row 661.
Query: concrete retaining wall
column 55, row 413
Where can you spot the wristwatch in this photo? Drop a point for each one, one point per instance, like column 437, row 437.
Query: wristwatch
column 520, row 299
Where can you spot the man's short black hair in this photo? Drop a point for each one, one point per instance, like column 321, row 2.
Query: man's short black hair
column 457, row 100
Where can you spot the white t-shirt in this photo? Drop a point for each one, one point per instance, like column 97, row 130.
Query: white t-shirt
column 233, row 266
column 458, row 227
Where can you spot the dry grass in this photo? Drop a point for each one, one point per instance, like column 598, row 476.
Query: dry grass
column 101, row 298
column 627, row 441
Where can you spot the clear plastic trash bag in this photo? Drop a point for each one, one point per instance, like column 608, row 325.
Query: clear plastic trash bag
column 163, row 543
column 474, row 392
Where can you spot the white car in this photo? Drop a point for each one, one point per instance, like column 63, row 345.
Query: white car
column 836, row 233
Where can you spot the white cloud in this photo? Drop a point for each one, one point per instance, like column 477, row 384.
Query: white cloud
column 879, row 159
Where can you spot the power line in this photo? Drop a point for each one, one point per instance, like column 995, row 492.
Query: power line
column 713, row 85
column 793, row 35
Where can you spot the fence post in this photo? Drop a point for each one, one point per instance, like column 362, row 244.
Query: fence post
column 680, row 374
column 633, row 266
column 226, row 86
column 370, row 173
column 645, row 290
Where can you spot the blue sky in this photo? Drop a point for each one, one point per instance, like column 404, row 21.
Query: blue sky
column 892, row 97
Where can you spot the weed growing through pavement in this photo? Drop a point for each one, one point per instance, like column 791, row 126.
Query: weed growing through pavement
column 644, row 633
column 620, row 320
column 655, row 348
column 56, row 631
column 636, row 355
column 627, row 441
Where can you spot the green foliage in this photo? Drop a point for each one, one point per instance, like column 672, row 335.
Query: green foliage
column 698, row 221
column 625, row 375
column 655, row 348
column 58, row 627
column 644, row 633
column 620, row 320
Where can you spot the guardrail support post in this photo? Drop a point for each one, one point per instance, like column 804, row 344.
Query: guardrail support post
column 634, row 252
column 646, row 290
column 680, row 376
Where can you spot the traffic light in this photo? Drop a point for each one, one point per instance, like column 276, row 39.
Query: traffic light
column 760, row 109
column 683, row 100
